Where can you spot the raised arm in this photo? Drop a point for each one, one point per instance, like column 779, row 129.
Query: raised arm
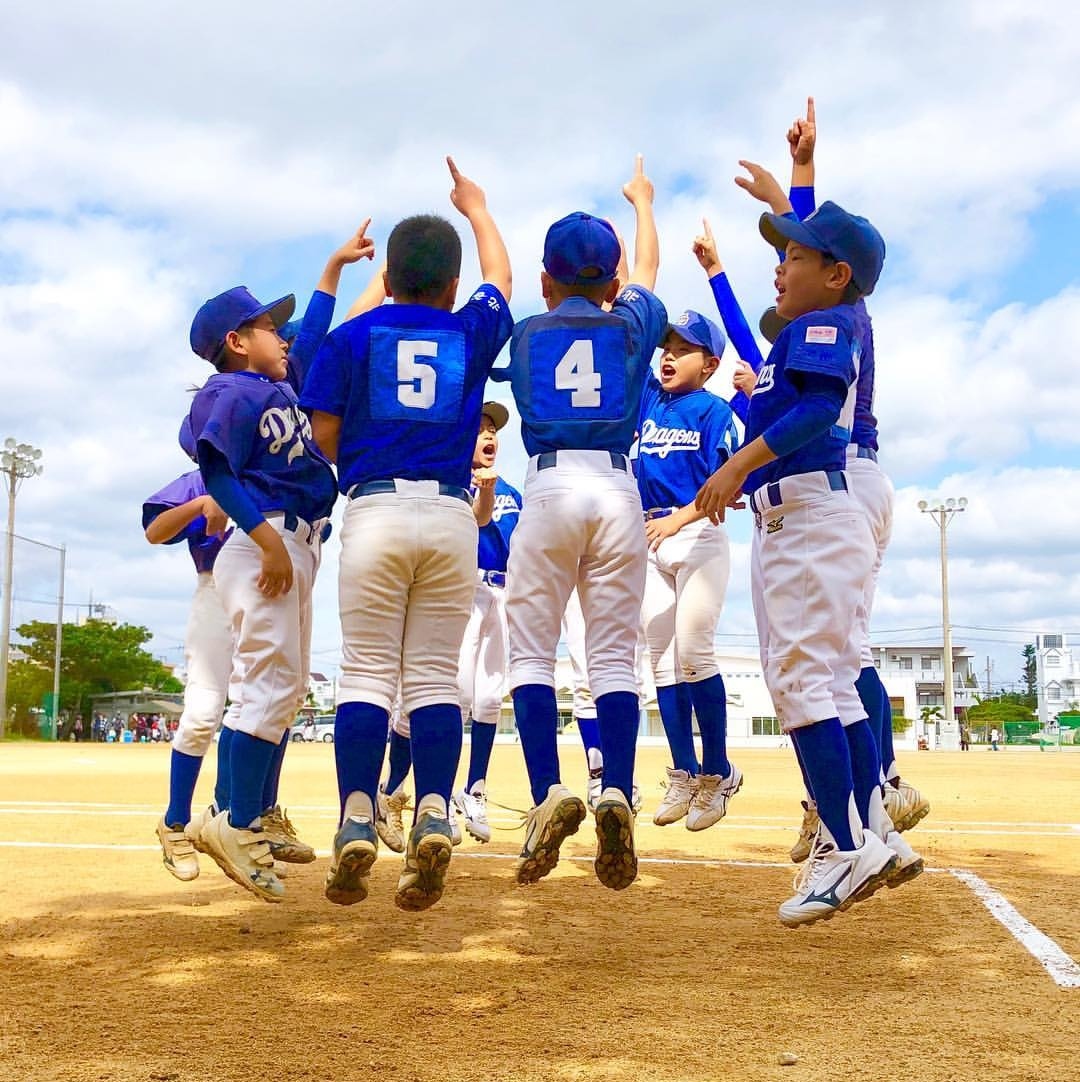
column 802, row 138
column 373, row 295
column 358, row 246
column 761, row 184
column 469, row 199
column 639, row 191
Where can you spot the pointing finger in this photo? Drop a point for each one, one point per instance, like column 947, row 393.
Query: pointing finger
column 639, row 165
column 454, row 172
column 810, row 110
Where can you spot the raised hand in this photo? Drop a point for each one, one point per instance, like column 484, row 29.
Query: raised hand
column 705, row 250
column 639, row 189
column 357, row 247
column 762, row 185
column 802, row 136
column 466, row 194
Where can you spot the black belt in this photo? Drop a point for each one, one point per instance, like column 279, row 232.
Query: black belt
column 547, row 459
column 866, row 452
column 494, row 578
column 773, row 491
column 378, row 488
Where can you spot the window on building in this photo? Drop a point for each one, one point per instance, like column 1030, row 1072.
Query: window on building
column 1053, row 693
column 904, row 662
column 1053, row 661
column 928, row 661
column 931, row 698
column 765, row 726
column 897, row 706
column 1052, row 642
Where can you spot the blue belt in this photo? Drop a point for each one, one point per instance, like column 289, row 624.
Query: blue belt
column 773, row 492
column 866, row 452
column 546, row 459
column 377, row 488
column 494, row 578
column 295, row 524
column 659, row 512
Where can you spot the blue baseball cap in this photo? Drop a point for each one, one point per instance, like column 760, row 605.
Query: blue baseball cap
column 699, row 331
column 229, row 311
column 845, row 237
column 580, row 250
column 288, row 331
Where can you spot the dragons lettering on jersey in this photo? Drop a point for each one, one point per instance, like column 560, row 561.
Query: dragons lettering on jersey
column 661, row 441
column 281, row 425
column 505, row 504
column 765, row 378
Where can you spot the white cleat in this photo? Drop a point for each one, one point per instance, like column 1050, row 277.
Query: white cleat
column 711, row 797
column 244, row 856
column 548, row 825
column 905, row 804
column 472, row 804
column 677, row 797
column 177, row 852
column 388, row 818
column 807, row 832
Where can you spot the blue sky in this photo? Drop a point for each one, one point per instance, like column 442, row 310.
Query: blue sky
column 145, row 169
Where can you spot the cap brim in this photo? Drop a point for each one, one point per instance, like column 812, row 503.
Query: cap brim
column 280, row 311
column 771, row 324
column 778, row 230
column 498, row 413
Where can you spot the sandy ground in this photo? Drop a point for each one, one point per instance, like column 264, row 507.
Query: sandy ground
column 112, row 970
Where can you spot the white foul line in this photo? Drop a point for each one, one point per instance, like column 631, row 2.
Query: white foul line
column 1064, row 971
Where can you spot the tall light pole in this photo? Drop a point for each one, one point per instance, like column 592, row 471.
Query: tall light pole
column 17, row 462
column 942, row 512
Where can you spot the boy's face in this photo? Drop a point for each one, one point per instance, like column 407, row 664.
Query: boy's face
column 266, row 352
column 487, row 444
column 806, row 282
column 684, row 366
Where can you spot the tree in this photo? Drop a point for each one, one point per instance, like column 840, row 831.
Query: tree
column 1031, row 675
column 97, row 657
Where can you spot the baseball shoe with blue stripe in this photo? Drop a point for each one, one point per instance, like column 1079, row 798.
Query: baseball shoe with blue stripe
column 710, row 802
column 243, row 855
column 547, row 826
column 427, row 859
column 356, row 845
column 832, row 879
column 616, row 862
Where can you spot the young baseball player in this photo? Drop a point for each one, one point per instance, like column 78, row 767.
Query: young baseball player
column 482, row 666
column 577, row 373
column 685, row 434
column 396, row 396
column 811, row 547
column 259, row 462
column 182, row 511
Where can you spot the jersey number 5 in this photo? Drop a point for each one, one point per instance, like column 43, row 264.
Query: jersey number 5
column 575, row 373
column 416, row 380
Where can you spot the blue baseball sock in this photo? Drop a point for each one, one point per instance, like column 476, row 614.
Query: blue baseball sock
column 802, row 768
column 481, row 739
column 825, row 755
column 436, row 748
column 537, row 719
column 865, row 765
column 359, row 747
column 183, row 774
column 249, row 762
column 400, row 760
column 710, row 705
column 677, row 714
column 273, row 775
column 224, row 768
column 590, row 737
column 617, row 714
column 871, row 692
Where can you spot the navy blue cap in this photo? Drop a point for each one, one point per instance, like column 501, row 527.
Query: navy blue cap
column 845, row 237
column 229, row 311
column 288, row 331
column 699, row 331
column 771, row 324
column 580, row 250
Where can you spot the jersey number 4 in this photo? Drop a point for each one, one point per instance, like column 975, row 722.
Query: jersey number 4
column 416, row 380
column 575, row 373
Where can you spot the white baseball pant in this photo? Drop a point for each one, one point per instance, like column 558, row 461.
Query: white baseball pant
column 272, row 635
column 580, row 525
column 208, row 655
column 405, row 588
column 482, row 664
column 874, row 493
column 810, row 556
column 685, row 584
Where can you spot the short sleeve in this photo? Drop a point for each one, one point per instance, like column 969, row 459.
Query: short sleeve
column 487, row 320
column 327, row 385
column 646, row 315
column 222, row 418
column 819, row 343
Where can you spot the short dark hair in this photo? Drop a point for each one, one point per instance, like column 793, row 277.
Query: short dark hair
column 423, row 256
column 852, row 292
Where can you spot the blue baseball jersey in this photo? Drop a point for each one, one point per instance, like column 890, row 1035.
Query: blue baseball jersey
column 682, row 439
column 407, row 382
column 818, row 343
column 257, row 426
column 494, row 546
column 183, row 490
column 577, row 372
column 864, row 430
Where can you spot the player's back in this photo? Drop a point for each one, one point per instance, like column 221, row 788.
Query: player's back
column 577, row 372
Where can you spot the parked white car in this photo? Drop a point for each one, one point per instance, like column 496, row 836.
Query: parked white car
column 319, row 729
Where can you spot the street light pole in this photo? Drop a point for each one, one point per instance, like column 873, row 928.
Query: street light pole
column 942, row 511
column 17, row 462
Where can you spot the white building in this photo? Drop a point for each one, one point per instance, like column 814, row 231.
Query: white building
column 323, row 691
column 914, row 677
column 1057, row 669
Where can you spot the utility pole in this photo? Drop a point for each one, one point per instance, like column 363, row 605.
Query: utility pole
column 988, row 677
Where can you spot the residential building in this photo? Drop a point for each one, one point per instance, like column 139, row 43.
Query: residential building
column 1057, row 669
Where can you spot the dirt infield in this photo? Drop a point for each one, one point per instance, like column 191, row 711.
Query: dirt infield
column 111, row 970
